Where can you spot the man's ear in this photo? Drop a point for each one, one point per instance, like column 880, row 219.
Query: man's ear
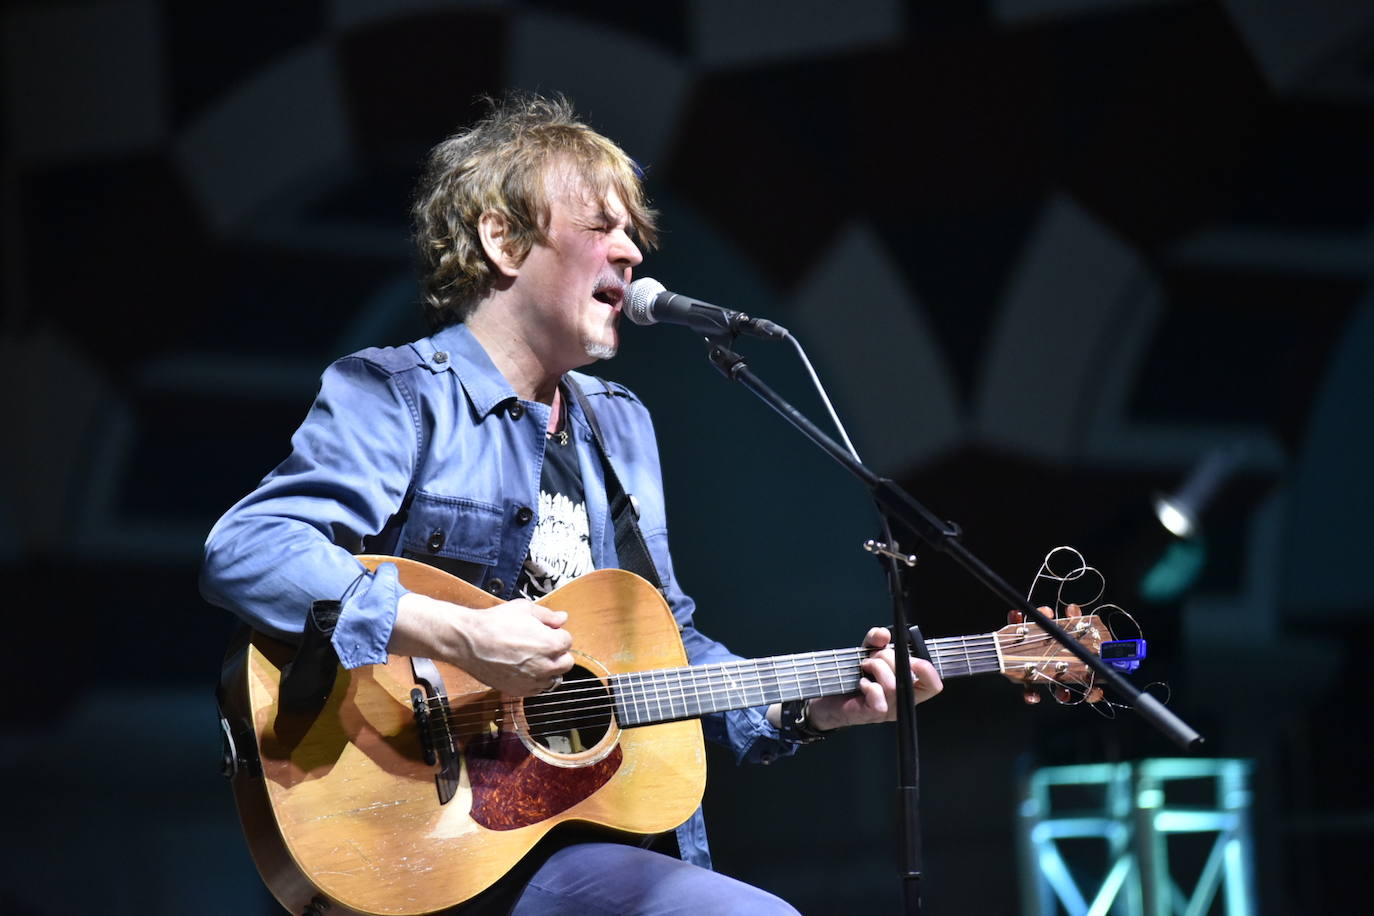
column 494, row 231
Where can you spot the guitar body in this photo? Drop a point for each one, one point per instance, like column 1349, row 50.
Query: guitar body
column 342, row 807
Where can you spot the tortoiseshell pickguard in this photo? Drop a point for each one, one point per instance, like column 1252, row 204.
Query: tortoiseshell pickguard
column 512, row 788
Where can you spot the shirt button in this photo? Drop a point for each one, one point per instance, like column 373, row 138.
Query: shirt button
column 436, row 540
column 496, row 586
column 524, row 514
column 517, row 411
column 441, row 356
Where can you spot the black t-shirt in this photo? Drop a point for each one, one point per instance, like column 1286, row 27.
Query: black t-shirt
column 561, row 548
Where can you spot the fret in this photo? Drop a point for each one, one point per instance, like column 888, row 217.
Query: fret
column 619, row 696
column 686, row 693
column 735, row 696
column 697, row 707
column 750, row 681
column 728, row 694
column 717, row 687
column 626, row 710
column 990, row 658
column 672, row 685
column 663, row 707
column 646, row 696
column 747, row 680
column 936, row 656
column 813, row 685
column 765, row 681
column 656, row 681
column 624, row 700
column 710, row 677
column 641, row 710
column 727, row 691
column 800, row 691
column 957, row 656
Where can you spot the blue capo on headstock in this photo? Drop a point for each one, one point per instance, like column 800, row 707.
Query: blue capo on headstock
column 1124, row 654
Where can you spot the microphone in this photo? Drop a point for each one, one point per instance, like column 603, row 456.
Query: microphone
column 647, row 302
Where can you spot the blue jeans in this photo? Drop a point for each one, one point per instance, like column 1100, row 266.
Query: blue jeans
column 611, row 879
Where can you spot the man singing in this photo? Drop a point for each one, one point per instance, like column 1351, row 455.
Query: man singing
column 479, row 450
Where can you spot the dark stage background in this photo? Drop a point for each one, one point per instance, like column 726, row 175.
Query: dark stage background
column 1048, row 254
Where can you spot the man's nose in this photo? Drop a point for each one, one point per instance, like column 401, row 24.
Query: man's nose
column 625, row 251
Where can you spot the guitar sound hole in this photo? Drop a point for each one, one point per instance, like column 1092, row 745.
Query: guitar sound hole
column 572, row 718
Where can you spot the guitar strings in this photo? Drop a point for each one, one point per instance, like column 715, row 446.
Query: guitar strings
column 655, row 686
column 779, row 669
column 539, row 717
column 544, row 711
column 696, row 680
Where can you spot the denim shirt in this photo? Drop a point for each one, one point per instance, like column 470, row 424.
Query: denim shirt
column 436, row 425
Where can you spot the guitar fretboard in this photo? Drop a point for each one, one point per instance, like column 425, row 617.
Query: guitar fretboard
column 669, row 694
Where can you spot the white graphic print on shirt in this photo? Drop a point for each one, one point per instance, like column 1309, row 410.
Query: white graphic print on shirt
column 561, row 547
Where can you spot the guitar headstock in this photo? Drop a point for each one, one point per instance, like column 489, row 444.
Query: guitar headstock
column 1031, row 657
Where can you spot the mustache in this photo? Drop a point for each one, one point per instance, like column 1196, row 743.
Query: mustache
column 610, row 282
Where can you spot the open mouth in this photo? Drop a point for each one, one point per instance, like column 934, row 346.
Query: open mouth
column 609, row 294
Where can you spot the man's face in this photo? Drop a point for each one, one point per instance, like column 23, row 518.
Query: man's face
column 575, row 283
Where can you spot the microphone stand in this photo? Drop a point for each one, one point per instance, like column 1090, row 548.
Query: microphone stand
column 895, row 503
column 905, row 639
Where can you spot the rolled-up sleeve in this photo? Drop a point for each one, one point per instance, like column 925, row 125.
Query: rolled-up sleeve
column 291, row 541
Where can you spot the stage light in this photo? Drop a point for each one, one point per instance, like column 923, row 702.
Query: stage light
column 1181, row 560
column 1181, row 512
column 1179, row 522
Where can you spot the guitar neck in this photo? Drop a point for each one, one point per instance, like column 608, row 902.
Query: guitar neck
column 670, row 694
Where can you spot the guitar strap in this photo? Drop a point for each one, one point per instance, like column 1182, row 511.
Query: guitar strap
column 630, row 546
column 308, row 679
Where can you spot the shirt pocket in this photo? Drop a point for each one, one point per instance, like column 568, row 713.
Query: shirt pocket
column 458, row 535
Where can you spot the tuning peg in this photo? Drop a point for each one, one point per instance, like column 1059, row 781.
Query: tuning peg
column 1074, row 610
column 1062, row 694
column 1015, row 617
column 1031, row 696
column 1095, row 695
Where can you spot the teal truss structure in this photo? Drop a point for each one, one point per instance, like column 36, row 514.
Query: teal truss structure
column 1167, row 837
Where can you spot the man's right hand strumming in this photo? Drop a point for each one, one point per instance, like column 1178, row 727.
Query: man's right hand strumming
column 519, row 648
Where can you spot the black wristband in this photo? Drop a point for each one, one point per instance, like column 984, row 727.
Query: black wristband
column 794, row 724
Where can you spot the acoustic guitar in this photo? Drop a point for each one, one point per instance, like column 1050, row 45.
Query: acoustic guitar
column 414, row 787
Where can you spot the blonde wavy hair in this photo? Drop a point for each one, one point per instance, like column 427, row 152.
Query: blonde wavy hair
column 499, row 164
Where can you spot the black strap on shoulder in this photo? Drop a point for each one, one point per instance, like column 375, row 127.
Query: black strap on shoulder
column 630, row 546
column 308, row 678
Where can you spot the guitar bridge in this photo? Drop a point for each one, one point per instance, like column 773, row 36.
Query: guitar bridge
column 431, row 710
column 419, row 703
